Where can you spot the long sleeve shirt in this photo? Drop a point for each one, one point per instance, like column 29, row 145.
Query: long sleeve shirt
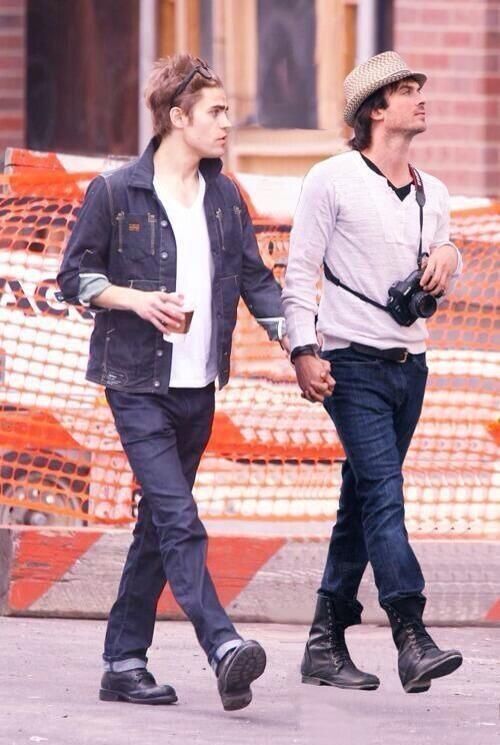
column 350, row 217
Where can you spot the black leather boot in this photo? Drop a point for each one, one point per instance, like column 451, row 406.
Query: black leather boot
column 419, row 657
column 326, row 657
column 136, row 687
column 237, row 669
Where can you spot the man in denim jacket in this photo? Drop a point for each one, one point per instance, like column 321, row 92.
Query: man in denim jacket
column 160, row 236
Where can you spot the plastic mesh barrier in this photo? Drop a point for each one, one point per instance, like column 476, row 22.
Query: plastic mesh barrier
column 272, row 454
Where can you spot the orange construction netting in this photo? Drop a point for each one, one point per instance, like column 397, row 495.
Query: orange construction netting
column 272, row 454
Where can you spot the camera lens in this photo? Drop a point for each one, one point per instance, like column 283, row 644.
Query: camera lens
column 422, row 305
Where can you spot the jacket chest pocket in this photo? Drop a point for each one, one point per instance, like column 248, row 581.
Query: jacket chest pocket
column 229, row 228
column 136, row 235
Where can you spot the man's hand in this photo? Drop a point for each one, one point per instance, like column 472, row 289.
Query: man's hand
column 162, row 309
column 313, row 377
column 438, row 270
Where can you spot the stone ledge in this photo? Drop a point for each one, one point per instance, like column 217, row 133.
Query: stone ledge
column 74, row 573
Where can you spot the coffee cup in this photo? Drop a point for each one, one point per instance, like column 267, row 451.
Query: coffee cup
column 187, row 309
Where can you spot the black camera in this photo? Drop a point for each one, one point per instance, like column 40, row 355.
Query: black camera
column 407, row 301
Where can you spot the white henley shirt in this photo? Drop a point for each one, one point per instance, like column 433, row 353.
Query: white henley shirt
column 349, row 216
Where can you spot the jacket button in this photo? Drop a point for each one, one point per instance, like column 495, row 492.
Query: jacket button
column 164, row 223
column 164, row 255
column 156, row 384
column 159, row 352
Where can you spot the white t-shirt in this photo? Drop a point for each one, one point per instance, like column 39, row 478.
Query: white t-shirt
column 194, row 356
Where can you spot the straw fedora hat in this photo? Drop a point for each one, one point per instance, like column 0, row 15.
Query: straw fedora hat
column 371, row 75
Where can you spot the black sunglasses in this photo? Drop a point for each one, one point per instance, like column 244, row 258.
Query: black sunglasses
column 201, row 68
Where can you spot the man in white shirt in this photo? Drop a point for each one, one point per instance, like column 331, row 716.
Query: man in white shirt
column 162, row 250
column 379, row 231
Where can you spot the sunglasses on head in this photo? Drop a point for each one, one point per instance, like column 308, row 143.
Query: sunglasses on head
column 201, row 68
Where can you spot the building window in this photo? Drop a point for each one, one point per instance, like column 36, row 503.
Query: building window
column 206, row 40
column 82, row 76
column 286, row 32
column 385, row 26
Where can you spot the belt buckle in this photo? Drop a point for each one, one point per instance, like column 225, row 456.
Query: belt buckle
column 405, row 357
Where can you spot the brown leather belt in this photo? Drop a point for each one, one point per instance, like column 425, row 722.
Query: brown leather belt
column 395, row 354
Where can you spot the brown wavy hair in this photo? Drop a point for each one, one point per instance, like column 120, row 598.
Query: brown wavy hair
column 363, row 120
column 167, row 74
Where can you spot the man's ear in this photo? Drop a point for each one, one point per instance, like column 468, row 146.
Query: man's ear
column 177, row 117
column 377, row 114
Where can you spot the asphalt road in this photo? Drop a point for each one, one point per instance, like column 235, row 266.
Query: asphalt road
column 51, row 671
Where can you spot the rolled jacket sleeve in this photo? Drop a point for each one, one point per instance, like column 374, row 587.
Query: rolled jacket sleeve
column 92, row 285
column 259, row 289
column 87, row 251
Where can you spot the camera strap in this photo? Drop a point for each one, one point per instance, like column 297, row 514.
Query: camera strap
column 336, row 281
column 420, row 198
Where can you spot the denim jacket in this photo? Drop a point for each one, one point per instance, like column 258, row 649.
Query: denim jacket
column 123, row 234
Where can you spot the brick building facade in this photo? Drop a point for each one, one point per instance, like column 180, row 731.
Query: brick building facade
column 456, row 42
column 12, row 73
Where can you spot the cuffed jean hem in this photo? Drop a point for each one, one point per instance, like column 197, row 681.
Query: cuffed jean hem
column 347, row 612
column 388, row 599
column 221, row 651
column 123, row 666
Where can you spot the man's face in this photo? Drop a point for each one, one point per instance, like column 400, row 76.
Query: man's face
column 405, row 112
column 207, row 127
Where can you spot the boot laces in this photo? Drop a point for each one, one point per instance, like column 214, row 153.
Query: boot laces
column 142, row 674
column 338, row 647
column 339, row 652
column 420, row 640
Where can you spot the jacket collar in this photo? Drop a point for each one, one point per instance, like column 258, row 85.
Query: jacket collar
column 142, row 171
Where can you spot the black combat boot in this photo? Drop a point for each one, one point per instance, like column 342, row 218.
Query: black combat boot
column 419, row 657
column 326, row 657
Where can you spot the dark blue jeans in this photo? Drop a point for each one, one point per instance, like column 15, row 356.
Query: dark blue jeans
column 375, row 407
column 164, row 437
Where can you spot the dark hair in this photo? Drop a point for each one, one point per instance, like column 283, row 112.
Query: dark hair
column 166, row 76
column 363, row 119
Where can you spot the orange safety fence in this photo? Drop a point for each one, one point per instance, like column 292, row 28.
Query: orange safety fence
column 272, row 454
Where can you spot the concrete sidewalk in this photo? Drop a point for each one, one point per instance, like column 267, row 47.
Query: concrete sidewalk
column 51, row 671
